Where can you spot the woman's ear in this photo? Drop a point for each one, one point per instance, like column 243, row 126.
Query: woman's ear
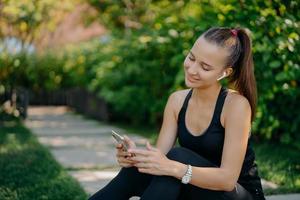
column 224, row 75
column 229, row 70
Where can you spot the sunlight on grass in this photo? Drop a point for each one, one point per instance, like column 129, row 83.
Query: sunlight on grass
column 28, row 170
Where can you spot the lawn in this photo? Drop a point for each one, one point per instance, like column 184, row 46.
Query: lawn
column 279, row 164
column 27, row 169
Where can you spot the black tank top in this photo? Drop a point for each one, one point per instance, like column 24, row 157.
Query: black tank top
column 209, row 144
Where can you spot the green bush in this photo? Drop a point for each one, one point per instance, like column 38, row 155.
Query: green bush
column 138, row 67
column 143, row 69
column 136, row 82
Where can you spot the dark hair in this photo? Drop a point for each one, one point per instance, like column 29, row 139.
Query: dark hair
column 240, row 58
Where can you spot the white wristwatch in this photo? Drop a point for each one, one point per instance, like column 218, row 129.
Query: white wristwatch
column 187, row 176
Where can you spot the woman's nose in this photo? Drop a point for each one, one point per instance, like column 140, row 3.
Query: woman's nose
column 192, row 69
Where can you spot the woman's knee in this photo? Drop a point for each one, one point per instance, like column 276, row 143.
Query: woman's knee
column 133, row 175
column 178, row 154
column 129, row 171
column 188, row 156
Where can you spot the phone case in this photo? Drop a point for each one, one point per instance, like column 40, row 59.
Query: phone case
column 119, row 139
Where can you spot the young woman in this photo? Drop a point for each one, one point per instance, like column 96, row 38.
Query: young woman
column 215, row 159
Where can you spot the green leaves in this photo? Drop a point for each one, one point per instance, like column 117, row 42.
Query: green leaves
column 275, row 64
column 26, row 19
column 275, row 33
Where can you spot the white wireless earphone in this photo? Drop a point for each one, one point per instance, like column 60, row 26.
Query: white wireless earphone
column 224, row 75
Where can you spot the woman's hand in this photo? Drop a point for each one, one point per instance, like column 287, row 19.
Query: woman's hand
column 122, row 155
column 151, row 160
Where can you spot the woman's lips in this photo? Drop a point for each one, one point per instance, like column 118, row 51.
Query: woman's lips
column 191, row 79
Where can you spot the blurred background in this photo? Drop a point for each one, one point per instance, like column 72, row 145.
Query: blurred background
column 115, row 62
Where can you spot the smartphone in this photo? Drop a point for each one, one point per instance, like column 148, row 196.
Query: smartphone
column 120, row 139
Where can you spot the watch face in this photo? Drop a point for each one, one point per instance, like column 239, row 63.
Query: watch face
column 186, row 179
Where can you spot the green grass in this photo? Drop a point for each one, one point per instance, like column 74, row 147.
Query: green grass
column 27, row 169
column 277, row 163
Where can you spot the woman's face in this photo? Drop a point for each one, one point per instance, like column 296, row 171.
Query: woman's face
column 204, row 64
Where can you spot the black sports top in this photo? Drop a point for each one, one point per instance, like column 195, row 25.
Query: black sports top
column 210, row 145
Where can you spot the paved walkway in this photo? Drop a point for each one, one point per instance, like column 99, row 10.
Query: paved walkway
column 85, row 147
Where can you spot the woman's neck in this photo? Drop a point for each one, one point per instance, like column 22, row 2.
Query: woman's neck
column 205, row 95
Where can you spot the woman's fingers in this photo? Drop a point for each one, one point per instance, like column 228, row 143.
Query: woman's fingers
column 139, row 159
column 123, row 154
column 125, row 163
column 130, row 142
column 124, row 160
column 150, row 147
column 144, row 165
column 141, row 152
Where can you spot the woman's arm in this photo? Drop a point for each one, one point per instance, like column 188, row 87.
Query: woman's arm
column 168, row 131
column 237, row 125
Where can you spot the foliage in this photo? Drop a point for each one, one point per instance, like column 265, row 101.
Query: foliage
column 137, row 86
column 275, row 33
column 27, row 20
column 139, row 64
column 47, row 71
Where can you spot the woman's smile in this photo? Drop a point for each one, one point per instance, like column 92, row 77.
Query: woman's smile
column 191, row 79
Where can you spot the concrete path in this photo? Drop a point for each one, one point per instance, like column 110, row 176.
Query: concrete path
column 85, row 147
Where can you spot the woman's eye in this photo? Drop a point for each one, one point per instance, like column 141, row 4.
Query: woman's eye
column 191, row 59
column 205, row 69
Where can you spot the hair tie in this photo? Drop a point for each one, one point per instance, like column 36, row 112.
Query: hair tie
column 234, row 32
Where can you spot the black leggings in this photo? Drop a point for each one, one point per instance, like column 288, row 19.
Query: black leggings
column 130, row 182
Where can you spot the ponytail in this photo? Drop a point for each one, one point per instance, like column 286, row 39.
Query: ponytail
column 242, row 78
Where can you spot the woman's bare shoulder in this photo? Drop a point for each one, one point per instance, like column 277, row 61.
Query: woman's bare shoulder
column 230, row 91
column 234, row 96
column 235, row 99
column 178, row 97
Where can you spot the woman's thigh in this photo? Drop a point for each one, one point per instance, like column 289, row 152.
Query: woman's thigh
column 191, row 192
column 239, row 193
column 128, row 182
